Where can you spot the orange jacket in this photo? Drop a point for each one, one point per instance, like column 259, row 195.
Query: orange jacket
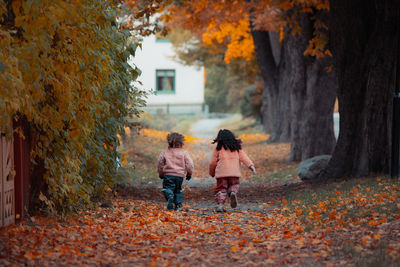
column 225, row 163
column 175, row 162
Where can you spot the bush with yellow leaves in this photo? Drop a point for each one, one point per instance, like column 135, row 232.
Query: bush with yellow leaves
column 63, row 67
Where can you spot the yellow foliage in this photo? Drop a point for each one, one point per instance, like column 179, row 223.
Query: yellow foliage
column 63, row 68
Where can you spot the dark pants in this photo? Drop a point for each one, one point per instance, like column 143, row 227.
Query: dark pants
column 172, row 189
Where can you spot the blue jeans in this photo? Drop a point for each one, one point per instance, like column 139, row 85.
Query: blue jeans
column 172, row 189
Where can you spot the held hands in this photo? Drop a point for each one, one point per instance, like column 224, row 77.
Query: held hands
column 253, row 169
column 188, row 177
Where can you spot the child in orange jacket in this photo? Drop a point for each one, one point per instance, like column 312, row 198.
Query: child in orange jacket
column 225, row 167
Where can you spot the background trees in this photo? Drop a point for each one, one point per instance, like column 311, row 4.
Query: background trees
column 225, row 83
column 301, row 78
column 299, row 87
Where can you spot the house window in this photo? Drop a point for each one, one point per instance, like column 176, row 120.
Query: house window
column 162, row 40
column 165, row 81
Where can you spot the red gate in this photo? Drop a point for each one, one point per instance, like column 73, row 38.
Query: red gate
column 7, row 173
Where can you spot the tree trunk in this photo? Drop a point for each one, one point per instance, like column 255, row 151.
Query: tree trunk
column 364, row 37
column 284, row 113
column 299, row 95
column 266, row 63
column 275, row 108
column 317, row 135
column 313, row 93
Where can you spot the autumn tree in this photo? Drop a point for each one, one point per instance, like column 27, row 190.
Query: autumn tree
column 299, row 92
column 226, row 84
column 63, row 68
column 364, row 39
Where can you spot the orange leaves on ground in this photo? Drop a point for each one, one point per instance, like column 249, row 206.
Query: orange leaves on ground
column 311, row 228
column 254, row 138
column 287, row 234
column 361, row 215
column 163, row 135
column 137, row 232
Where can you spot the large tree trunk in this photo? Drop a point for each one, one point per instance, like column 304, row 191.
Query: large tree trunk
column 316, row 130
column 299, row 95
column 275, row 108
column 268, row 68
column 364, row 37
column 313, row 93
column 284, row 113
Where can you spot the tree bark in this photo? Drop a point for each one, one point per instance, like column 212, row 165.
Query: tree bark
column 269, row 73
column 283, row 119
column 299, row 94
column 313, row 93
column 275, row 108
column 364, row 37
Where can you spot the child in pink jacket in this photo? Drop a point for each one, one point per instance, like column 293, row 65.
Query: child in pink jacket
column 225, row 166
column 173, row 164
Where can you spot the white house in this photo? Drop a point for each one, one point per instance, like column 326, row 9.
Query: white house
column 178, row 89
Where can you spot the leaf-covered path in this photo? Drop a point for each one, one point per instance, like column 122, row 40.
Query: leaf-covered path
column 279, row 221
column 138, row 230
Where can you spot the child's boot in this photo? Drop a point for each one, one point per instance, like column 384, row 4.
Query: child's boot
column 178, row 207
column 169, row 196
column 220, row 207
column 170, row 205
column 233, row 199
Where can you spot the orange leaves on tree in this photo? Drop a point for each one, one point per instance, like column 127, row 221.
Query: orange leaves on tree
column 237, row 34
column 215, row 24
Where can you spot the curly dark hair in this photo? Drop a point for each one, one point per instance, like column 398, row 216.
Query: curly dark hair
column 227, row 140
column 175, row 140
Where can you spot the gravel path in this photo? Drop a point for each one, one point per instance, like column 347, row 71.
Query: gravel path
column 206, row 128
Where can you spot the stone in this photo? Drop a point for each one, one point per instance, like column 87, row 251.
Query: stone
column 309, row 169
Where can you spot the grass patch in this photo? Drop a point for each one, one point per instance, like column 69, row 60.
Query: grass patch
column 168, row 122
column 277, row 176
column 359, row 216
column 141, row 153
column 379, row 258
column 363, row 201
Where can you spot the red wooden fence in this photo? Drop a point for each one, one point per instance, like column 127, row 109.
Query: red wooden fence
column 15, row 178
column 22, row 149
column 7, row 174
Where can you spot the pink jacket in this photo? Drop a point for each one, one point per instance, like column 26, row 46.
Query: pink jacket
column 175, row 162
column 225, row 163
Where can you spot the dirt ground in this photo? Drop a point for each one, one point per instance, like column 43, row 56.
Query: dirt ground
column 280, row 221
